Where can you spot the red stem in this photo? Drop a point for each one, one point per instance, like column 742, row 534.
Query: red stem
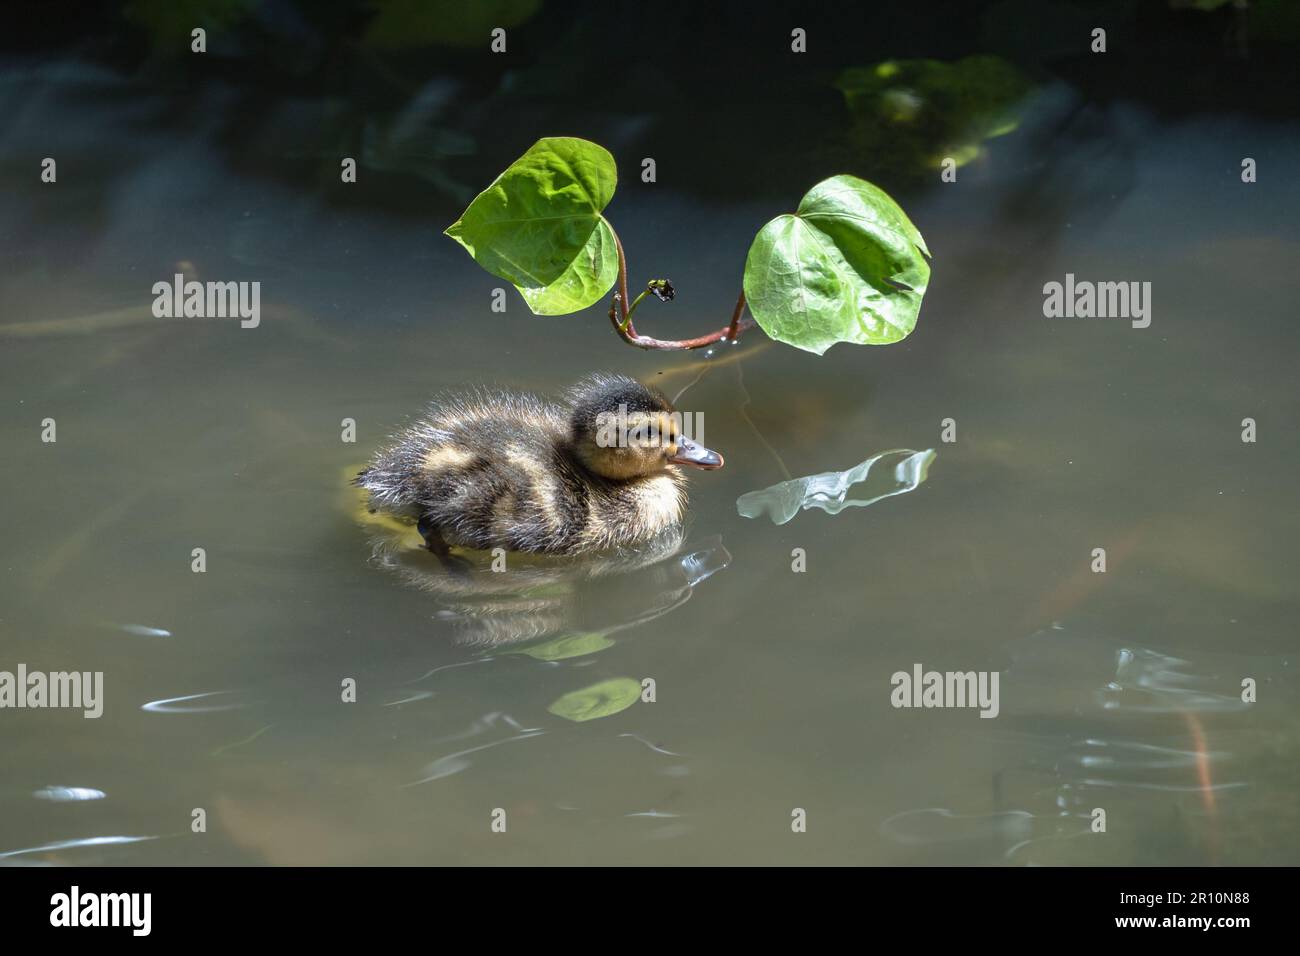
column 622, row 322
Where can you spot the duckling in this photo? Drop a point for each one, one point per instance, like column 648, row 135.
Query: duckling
column 499, row 469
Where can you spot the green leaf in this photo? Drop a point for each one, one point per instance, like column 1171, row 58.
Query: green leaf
column 847, row 266
column 570, row 645
column 539, row 226
column 598, row 700
column 588, row 278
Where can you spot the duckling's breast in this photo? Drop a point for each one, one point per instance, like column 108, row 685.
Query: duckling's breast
column 660, row 502
column 630, row 512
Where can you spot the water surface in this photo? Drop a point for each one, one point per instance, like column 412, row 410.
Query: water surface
column 1119, row 690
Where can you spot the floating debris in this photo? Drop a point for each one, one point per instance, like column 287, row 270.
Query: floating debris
column 68, row 794
column 71, row 844
column 177, row 705
column 656, row 749
column 239, row 743
column 142, row 630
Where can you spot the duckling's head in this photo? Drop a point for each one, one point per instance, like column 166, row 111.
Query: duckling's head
column 623, row 430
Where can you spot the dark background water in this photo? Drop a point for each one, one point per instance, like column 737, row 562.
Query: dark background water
column 1119, row 691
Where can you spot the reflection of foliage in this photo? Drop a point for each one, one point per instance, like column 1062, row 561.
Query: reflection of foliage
column 829, row 490
column 400, row 24
column 1276, row 21
column 395, row 144
column 169, row 22
column 912, row 114
column 1271, row 21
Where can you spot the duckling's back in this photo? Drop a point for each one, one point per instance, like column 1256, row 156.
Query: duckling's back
column 495, row 469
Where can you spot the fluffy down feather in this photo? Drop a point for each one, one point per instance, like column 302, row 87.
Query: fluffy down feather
column 504, row 469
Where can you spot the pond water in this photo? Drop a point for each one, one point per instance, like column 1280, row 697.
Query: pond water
column 222, row 690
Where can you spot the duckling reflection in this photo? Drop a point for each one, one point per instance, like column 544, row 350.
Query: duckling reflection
column 580, row 600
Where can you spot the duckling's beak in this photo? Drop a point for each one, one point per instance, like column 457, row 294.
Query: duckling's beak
column 694, row 454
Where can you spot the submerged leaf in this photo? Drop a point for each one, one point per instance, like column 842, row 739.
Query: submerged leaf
column 569, row 645
column 911, row 115
column 846, row 266
column 169, row 22
column 598, row 700
column 407, row 24
column 539, row 226
column 902, row 470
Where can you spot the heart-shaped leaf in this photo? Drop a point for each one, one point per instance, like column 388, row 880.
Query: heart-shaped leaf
column 847, row 266
column 539, row 226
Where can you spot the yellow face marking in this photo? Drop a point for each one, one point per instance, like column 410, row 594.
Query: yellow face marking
column 640, row 430
column 668, row 434
column 617, row 464
column 667, row 427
